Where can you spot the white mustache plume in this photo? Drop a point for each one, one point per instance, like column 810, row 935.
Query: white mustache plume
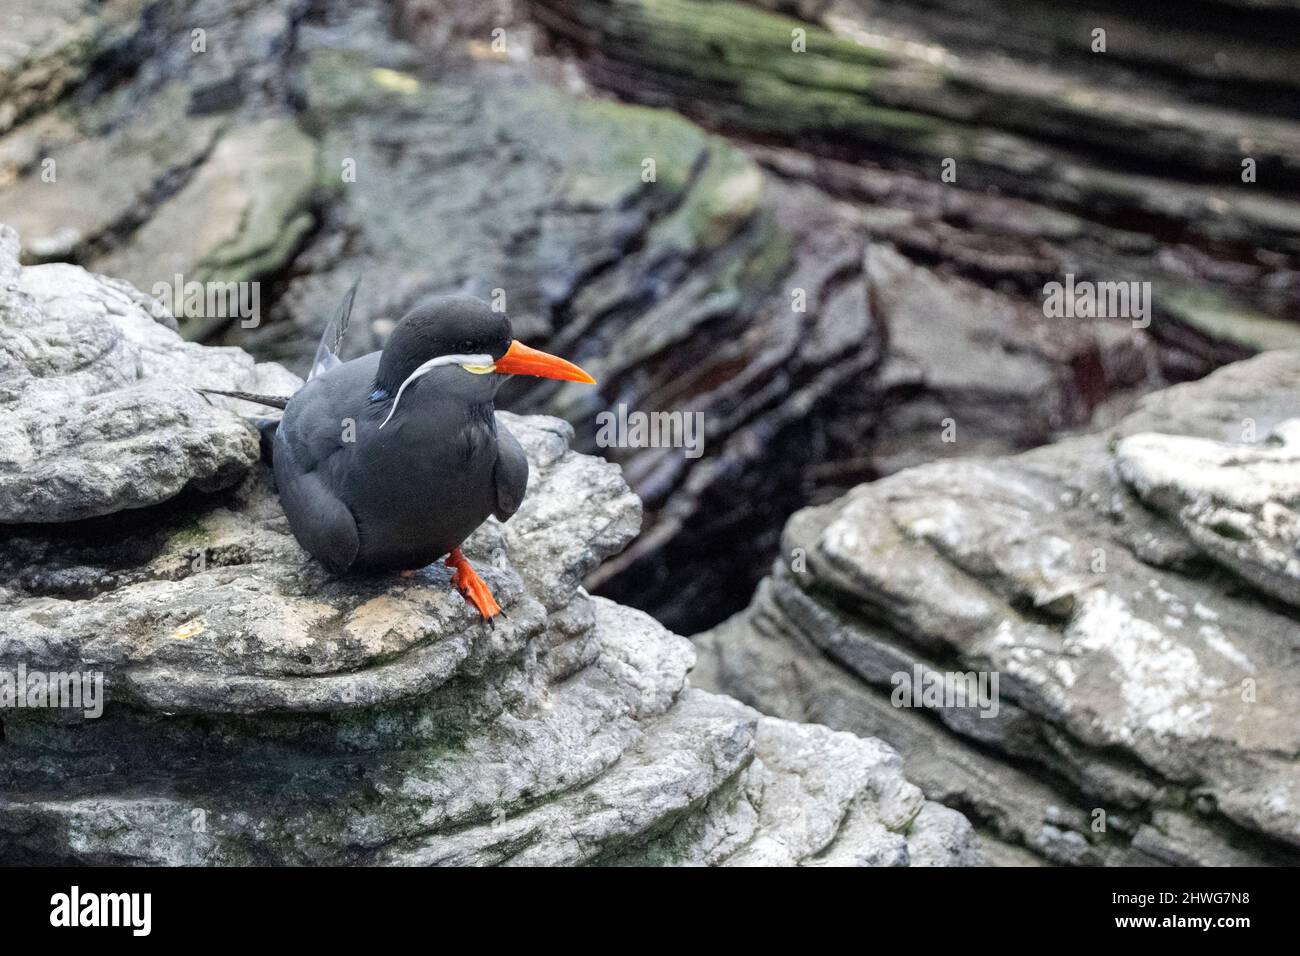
column 429, row 366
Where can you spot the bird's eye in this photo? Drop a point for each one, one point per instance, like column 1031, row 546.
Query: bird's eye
column 467, row 347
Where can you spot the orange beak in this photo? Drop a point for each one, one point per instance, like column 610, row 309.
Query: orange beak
column 522, row 360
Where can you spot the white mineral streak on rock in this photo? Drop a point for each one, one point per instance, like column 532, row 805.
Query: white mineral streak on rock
column 1240, row 503
column 1161, row 682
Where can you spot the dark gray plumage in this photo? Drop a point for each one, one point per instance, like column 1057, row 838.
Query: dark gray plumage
column 391, row 460
column 359, row 496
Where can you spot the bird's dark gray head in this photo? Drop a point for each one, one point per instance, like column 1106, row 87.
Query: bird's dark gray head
column 465, row 347
column 459, row 328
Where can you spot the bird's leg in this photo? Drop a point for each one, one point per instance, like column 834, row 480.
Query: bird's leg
column 471, row 586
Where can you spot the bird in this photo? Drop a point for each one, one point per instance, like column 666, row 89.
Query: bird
column 390, row 461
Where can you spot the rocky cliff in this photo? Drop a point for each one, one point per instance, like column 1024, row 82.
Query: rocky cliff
column 255, row 710
column 1137, row 594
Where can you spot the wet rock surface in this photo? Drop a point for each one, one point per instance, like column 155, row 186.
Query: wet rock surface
column 256, row 710
column 1128, row 163
column 1135, row 590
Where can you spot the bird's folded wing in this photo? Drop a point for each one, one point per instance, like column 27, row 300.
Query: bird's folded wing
column 510, row 473
column 320, row 521
column 306, row 461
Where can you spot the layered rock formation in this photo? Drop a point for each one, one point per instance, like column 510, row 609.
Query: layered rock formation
column 1160, row 151
column 255, row 710
column 802, row 276
column 99, row 409
column 305, row 146
column 1136, row 592
column 989, row 149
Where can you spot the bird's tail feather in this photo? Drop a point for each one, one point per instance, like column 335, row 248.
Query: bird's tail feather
column 275, row 401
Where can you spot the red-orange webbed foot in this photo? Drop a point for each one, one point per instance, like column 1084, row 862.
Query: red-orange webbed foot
column 471, row 586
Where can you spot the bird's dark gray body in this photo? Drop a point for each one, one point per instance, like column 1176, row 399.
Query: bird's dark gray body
column 362, row 497
column 390, row 461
